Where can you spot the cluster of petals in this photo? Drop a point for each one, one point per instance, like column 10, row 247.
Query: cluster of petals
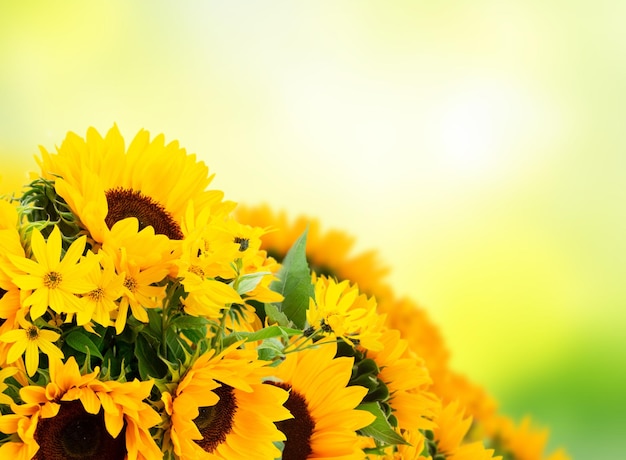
column 122, row 404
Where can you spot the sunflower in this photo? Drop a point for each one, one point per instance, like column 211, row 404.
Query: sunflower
column 422, row 335
column 339, row 310
column 79, row 416
column 323, row 406
column 99, row 303
column 29, row 339
column 11, row 297
column 329, row 252
column 408, row 381
column 523, row 441
column 204, row 266
column 54, row 280
column 453, row 386
column 222, row 410
column 139, row 289
column 448, row 436
column 104, row 183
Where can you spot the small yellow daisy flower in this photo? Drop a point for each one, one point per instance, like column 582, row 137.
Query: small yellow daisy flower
column 55, row 280
column 101, row 301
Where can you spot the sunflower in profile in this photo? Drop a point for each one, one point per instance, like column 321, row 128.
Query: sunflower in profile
column 412, row 402
column 421, row 333
column 79, row 416
column 325, row 418
column 522, row 441
column 104, row 183
column 447, row 438
column 221, row 409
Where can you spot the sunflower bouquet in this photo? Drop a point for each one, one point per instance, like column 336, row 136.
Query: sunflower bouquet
column 142, row 317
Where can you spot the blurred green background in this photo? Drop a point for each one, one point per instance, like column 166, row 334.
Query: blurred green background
column 478, row 145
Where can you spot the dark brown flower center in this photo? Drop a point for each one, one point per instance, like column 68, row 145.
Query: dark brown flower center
column 32, row 333
column 298, row 429
column 2, row 292
column 242, row 242
column 215, row 422
column 75, row 434
column 125, row 203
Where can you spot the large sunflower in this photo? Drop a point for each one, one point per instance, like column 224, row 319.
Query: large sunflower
column 104, row 183
column 323, row 406
column 79, row 416
column 222, row 410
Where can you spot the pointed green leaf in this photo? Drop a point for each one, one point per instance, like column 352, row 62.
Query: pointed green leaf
column 148, row 361
column 262, row 334
column 275, row 316
column 380, row 429
column 270, row 349
column 81, row 342
column 248, row 282
column 294, row 283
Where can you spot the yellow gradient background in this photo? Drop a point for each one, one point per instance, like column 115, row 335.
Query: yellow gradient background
column 478, row 145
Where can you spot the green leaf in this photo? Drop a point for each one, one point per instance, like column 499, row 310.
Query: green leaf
column 189, row 322
column 380, row 429
column 275, row 315
column 270, row 349
column 174, row 345
column 262, row 334
column 148, row 360
column 195, row 335
column 247, row 283
column 81, row 342
column 294, row 283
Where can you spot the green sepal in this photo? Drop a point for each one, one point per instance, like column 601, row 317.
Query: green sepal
column 294, row 283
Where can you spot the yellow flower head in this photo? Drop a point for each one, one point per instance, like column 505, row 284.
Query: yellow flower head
column 99, row 303
column 523, row 440
column 408, row 381
column 339, row 310
column 325, row 420
column 104, row 183
column 221, row 409
column 139, row 289
column 29, row 339
column 54, row 279
column 77, row 416
column 329, row 252
column 449, row 434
